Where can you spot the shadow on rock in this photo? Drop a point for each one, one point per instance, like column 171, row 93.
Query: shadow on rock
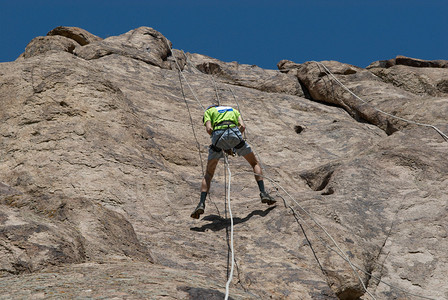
column 219, row 223
column 200, row 293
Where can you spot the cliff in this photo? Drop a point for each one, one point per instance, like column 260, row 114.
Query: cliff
column 100, row 168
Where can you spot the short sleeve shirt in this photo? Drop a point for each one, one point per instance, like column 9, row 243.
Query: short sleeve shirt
column 218, row 114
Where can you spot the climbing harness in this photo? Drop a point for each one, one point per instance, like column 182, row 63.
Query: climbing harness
column 214, row 146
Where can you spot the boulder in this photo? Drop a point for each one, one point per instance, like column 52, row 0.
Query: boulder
column 365, row 96
column 79, row 35
column 410, row 62
column 287, row 65
column 43, row 44
column 420, row 77
column 143, row 43
column 29, row 242
column 420, row 81
column 251, row 76
column 420, row 63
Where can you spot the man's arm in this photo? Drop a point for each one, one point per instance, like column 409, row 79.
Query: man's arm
column 241, row 125
column 208, row 127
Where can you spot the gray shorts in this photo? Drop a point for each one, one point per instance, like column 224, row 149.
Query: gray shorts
column 228, row 139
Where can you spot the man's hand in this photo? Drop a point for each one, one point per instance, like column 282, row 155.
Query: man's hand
column 241, row 125
column 208, row 127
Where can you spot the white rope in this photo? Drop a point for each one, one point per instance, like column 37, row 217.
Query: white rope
column 216, row 90
column 238, row 106
column 191, row 119
column 192, row 124
column 185, row 78
column 231, row 228
column 379, row 110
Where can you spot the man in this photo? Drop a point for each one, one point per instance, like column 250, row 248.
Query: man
column 225, row 126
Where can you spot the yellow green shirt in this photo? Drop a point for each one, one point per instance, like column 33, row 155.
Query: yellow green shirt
column 218, row 114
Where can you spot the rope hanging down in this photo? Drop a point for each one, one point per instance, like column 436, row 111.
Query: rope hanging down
column 180, row 71
column 189, row 113
column 192, row 124
column 226, row 161
column 379, row 110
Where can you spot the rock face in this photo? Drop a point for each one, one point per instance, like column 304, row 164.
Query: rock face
column 245, row 75
column 414, row 75
column 100, row 170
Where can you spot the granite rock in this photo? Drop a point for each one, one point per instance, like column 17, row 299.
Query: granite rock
column 101, row 158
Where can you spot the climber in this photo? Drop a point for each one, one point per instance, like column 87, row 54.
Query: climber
column 225, row 126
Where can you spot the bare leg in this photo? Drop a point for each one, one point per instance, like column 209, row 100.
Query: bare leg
column 205, row 187
column 253, row 161
column 209, row 172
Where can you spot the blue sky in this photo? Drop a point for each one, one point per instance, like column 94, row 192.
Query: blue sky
column 256, row 32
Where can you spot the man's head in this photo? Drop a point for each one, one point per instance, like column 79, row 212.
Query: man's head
column 213, row 105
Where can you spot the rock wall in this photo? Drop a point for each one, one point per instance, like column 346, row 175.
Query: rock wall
column 100, row 170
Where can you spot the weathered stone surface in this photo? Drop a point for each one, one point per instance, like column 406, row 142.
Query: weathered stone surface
column 382, row 64
column 372, row 96
column 100, row 155
column 43, row 44
column 250, row 76
column 410, row 62
column 143, row 43
column 29, row 243
column 422, row 81
column 287, row 65
column 79, row 35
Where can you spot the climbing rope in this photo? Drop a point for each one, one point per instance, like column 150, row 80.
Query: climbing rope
column 379, row 110
column 226, row 162
column 192, row 124
column 238, row 106
column 180, row 71
column 216, row 90
column 189, row 113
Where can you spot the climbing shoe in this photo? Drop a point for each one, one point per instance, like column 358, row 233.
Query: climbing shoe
column 198, row 211
column 266, row 198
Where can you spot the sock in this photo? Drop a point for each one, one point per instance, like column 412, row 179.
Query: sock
column 203, row 197
column 261, row 186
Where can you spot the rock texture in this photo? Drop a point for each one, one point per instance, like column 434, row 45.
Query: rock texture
column 79, row 35
column 145, row 44
column 100, row 170
column 251, row 76
column 414, row 75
